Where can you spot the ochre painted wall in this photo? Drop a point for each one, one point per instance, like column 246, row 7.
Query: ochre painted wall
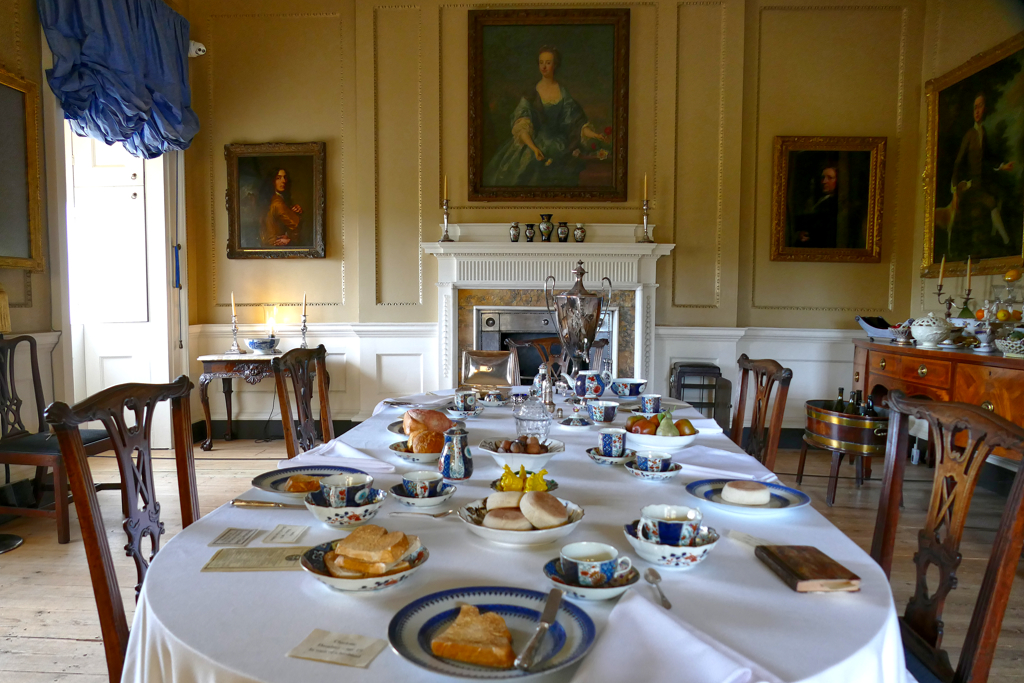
column 711, row 85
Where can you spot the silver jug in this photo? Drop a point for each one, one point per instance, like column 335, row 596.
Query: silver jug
column 578, row 315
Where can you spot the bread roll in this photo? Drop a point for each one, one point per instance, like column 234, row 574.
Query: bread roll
column 504, row 499
column 425, row 441
column 418, row 419
column 510, row 519
column 543, row 510
column 746, row 493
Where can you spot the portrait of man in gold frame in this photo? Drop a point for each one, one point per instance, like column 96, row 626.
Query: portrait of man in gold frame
column 21, row 230
column 827, row 199
column 974, row 165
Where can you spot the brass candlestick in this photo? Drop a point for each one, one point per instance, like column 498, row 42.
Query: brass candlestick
column 235, row 348
column 948, row 301
column 646, row 238
column 444, row 236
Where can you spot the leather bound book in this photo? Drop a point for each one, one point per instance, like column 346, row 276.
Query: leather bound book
column 806, row 569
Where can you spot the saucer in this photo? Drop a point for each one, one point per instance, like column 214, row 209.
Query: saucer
column 653, row 476
column 614, row 589
column 463, row 414
column 576, row 423
column 446, row 491
column 498, row 404
column 601, row 459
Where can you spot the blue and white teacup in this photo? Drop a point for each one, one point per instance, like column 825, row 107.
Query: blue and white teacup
column 422, row 484
column 602, row 411
column 465, row 400
column 669, row 524
column 346, row 490
column 627, row 386
column 650, row 403
column 592, row 564
column 653, row 461
column 612, row 442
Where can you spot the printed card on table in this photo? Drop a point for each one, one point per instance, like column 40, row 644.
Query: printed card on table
column 338, row 648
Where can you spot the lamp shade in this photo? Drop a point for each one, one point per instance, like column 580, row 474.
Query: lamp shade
column 5, row 311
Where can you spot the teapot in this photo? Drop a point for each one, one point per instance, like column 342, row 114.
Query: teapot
column 588, row 383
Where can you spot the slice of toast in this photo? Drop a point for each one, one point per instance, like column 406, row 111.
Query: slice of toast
column 373, row 546
column 474, row 638
column 377, row 568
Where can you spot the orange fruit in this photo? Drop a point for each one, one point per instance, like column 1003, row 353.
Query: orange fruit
column 1002, row 315
column 980, row 314
column 1016, row 315
column 1012, row 275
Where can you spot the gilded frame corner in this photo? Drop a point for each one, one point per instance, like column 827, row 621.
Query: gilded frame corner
column 33, row 165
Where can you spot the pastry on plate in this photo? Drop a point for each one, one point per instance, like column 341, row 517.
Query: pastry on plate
column 302, row 483
column 371, row 551
column 475, row 638
column 746, row 493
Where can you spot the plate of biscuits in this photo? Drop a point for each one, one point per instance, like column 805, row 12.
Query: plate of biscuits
column 521, row 518
column 476, row 632
column 746, row 496
column 296, row 482
column 369, row 559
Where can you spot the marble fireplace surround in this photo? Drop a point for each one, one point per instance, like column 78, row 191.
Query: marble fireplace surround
column 483, row 268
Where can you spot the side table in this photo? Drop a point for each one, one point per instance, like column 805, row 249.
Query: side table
column 250, row 367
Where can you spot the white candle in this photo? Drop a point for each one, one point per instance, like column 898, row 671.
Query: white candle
column 942, row 269
column 232, row 303
column 968, row 272
column 304, row 302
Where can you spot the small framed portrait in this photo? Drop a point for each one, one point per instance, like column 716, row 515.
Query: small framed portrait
column 548, row 104
column 21, row 230
column 827, row 199
column 275, row 200
column 974, row 164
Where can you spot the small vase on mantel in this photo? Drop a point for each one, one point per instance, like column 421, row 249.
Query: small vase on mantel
column 563, row 231
column 513, row 231
column 580, row 233
column 546, row 227
column 529, row 232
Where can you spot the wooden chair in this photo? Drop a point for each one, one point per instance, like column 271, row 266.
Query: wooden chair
column 963, row 436
column 555, row 362
column 131, row 446
column 19, row 446
column 300, row 365
column 763, row 439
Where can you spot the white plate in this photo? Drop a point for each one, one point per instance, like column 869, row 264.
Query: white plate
column 274, row 480
column 653, row 476
column 648, row 442
column 416, row 624
column 446, row 492
column 573, row 590
column 783, row 497
column 412, row 457
column 313, row 562
column 474, row 512
column 463, row 414
column 534, row 463
column 596, row 455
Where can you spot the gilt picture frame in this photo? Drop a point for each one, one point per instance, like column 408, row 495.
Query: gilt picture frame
column 827, row 199
column 974, row 165
column 275, row 200
column 21, row 228
column 548, row 104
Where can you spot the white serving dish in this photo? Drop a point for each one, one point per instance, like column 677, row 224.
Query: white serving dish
column 672, row 471
column 446, row 492
column 671, row 556
column 313, row 562
column 1011, row 348
column 647, row 442
column 344, row 516
column 929, row 331
column 533, row 463
column 473, row 513
column 412, row 457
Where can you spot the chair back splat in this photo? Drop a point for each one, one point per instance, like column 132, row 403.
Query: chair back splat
column 763, row 439
column 963, row 436
column 132, row 448
column 300, row 366
column 11, row 422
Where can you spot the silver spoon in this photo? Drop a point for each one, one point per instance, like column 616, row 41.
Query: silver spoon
column 654, row 578
column 437, row 515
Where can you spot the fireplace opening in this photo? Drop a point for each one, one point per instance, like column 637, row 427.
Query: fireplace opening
column 494, row 325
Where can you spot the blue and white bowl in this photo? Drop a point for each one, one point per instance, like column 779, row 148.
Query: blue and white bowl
column 399, row 449
column 628, row 386
column 614, row 589
column 347, row 516
column 674, row 557
column 601, row 459
column 313, row 562
column 446, row 491
column 263, row 345
column 653, row 476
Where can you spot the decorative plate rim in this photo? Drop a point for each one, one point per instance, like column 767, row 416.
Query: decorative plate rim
column 323, row 470
column 802, row 499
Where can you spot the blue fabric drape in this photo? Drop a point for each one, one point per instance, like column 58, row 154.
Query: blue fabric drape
column 120, row 72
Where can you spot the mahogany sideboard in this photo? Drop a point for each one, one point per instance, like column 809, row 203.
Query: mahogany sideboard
column 991, row 381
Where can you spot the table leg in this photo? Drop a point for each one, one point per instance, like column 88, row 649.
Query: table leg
column 204, row 398
column 833, row 478
column 867, row 467
column 800, row 467
column 859, row 470
column 227, row 404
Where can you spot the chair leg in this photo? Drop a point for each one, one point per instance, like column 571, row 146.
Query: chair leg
column 859, row 470
column 37, row 485
column 60, row 497
column 800, row 467
column 833, row 478
column 867, row 467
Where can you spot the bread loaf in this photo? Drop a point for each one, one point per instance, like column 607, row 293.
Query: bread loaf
column 543, row 510
column 510, row 519
column 746, row 493
column 372, row 543
column 504, row 499
column 418, row 419
column 475, row 638
column 425, row 441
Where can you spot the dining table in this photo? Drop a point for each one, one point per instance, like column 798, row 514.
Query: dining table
column 235, row 627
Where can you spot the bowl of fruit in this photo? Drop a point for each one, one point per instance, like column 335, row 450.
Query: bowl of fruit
column 659, row 432
column 530, row 452
column 1013, row 345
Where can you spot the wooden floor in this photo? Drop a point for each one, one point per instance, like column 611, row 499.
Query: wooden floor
column 49, row 629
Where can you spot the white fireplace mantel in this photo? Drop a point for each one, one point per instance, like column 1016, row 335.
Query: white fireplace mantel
column 480, row 260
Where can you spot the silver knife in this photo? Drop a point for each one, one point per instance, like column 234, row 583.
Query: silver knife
column 525, row 659
column 237, row 502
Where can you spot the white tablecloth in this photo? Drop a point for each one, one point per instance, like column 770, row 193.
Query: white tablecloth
column 228, row 627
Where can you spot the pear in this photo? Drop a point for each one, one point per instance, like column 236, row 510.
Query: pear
column 667, row 428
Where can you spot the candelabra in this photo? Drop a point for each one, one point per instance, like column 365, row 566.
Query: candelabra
column 444, row 236
column 646, row 238
column 235, row 348
column 949, row 300
column 303, row 330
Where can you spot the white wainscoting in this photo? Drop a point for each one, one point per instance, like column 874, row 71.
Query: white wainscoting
column 821, row 360
column 45, row 343
column 367, row 362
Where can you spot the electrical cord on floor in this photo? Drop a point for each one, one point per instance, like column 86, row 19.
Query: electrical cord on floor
column 266, row 438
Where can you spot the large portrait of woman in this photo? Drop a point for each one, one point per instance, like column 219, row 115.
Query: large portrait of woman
column 275, row 200
column 548, row 100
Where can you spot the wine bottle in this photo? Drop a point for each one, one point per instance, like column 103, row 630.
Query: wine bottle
column 838, row 404
column 851, row 406
column 869, row 408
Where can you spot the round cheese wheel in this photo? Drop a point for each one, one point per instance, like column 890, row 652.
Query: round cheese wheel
column 510, row 519
column 543, row 510
column 746, row 493
column 504, row 499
